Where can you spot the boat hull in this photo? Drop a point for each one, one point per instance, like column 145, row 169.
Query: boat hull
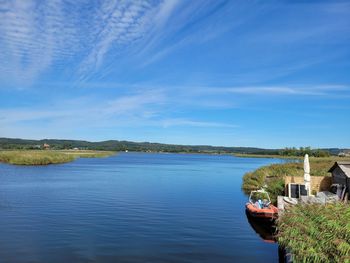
column 269, row 213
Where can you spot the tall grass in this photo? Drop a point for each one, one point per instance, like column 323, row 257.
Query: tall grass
column 316, row 233
column 271, row 176
column 43, row 157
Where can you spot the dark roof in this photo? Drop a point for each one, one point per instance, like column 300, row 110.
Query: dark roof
column 344, row 166
column 344, row 162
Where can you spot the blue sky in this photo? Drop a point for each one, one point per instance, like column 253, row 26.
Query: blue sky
column 234, row 73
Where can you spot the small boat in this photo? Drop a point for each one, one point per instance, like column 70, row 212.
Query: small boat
column 259, row 206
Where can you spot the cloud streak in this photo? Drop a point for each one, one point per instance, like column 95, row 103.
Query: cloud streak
column 139, row 109
column 324, row 90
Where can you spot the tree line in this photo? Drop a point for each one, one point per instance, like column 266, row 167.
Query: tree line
column 293, row 151
column 115, row 145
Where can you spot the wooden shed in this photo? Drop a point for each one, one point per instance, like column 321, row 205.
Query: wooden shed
column 341, row 174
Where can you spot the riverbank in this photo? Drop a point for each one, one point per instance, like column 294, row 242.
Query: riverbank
column 45, row 157
column 272, row 176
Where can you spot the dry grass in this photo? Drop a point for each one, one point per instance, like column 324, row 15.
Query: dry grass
column 44, row 157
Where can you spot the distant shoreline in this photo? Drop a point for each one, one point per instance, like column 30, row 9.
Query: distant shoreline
column 51, row 156
column 272, row 156
column 47, row 157
column 131, row 146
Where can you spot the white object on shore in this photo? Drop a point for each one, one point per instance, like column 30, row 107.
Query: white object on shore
column 292, row 201
column 307, row 177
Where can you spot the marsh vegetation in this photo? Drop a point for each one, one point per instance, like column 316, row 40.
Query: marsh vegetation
column 44, row 157
column 316, row 233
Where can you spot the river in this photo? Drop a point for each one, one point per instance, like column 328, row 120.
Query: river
column 132, row 207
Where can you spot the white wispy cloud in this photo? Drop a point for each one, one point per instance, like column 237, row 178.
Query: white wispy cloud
column 115, row 24
column 33, row 36
column 141, row 109
column 78, row 37
column 310, row 90
column 166, row 123
column 86, row 109
column 36, row 35
column 194, row 19
column 139, row 104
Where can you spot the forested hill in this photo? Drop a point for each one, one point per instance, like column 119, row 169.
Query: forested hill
column 114, row 145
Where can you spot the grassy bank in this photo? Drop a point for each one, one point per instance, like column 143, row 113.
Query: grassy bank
column 272, row 176
column 316, row 233
column 44, row 157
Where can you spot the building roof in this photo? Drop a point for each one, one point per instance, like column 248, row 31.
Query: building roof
column 344, row 166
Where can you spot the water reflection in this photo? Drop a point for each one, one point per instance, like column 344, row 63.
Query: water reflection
column 264, row 228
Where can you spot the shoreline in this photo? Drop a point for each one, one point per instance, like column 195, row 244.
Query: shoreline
column 271, row 156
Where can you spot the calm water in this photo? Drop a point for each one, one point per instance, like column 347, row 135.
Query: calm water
column 131, row 207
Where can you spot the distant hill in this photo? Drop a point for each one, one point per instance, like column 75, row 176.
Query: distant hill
column 114, row 145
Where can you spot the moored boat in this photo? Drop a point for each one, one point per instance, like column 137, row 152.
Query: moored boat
column 259, row 206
